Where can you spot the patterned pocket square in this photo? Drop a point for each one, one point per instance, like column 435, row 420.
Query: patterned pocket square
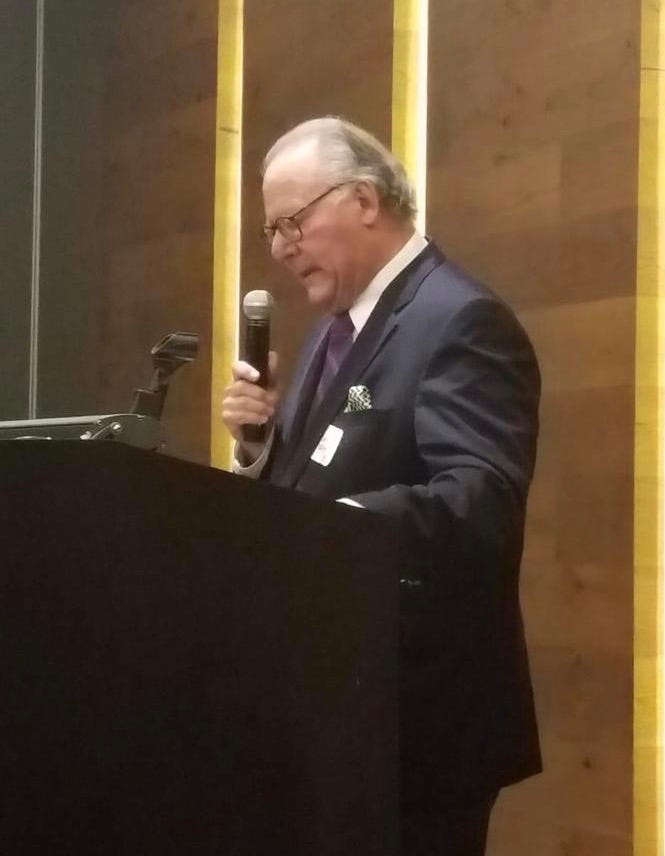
column 359, row 398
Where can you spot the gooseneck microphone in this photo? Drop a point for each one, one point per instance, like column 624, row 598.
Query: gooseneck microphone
column 256, row 307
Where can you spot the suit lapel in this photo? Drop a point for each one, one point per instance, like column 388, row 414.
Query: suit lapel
column 379, row 328
column 302, row 386
column 296, row 405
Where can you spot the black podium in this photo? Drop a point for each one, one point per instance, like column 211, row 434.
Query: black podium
column 191, row 663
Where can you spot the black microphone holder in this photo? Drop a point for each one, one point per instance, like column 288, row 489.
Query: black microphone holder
column 140, row 427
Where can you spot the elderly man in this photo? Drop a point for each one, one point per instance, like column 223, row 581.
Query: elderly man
column 417, row 396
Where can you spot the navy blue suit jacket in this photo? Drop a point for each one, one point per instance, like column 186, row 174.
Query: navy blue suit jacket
column 448, row 449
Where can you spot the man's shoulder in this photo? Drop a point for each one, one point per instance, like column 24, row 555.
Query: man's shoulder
column 447, row 287
column 449, row 298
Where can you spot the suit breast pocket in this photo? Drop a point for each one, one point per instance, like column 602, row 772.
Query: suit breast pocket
column 361, row 459
column 362, row 426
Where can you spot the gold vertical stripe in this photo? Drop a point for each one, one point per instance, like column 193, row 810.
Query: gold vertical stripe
column 227, row 218
column 409, row 94
column 649, row 488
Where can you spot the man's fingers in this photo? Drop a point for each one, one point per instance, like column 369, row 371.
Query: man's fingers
column 241, row 404
column 237, row 419
column 236, row 413
column 244, row 389
column 272, row 368
column 244, row 402
column 242, row 370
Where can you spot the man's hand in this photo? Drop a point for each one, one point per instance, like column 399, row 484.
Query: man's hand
column 246, row 403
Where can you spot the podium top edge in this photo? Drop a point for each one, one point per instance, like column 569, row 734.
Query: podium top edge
column 66, row 420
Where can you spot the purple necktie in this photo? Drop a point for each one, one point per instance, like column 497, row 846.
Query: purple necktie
column 340, row 339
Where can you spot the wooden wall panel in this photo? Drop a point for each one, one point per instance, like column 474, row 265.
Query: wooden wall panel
column 129, row 193
column 532, row 185
column 303, row 60
column 513, row 96
column 159, row 178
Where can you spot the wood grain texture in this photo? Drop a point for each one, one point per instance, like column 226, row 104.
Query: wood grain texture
column 303, row 60
column 532, row 185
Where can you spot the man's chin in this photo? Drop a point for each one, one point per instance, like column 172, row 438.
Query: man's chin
column 319, row 295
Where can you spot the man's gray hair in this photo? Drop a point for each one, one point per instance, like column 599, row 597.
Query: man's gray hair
column 348, row 153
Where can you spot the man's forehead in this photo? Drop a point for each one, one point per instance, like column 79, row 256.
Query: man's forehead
column 296, row 167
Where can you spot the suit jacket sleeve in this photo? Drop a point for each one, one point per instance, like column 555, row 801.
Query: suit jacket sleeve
column 475, row 422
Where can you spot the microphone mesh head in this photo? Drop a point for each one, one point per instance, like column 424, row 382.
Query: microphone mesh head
column 257, row 305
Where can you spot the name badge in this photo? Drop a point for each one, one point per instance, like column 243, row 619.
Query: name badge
column 325, row 451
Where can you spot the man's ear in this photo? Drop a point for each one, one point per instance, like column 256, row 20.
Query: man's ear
column 368, row 200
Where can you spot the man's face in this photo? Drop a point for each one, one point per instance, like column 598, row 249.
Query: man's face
column 328, row 259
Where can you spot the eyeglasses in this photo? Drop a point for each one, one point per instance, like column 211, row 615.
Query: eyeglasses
column 289, row 227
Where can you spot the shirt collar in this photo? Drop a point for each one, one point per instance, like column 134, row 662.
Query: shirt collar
column 365, row 303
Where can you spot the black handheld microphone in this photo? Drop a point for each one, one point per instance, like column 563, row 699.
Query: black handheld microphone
column 256, row 307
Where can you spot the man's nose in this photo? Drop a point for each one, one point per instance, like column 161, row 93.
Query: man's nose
column 281, row 249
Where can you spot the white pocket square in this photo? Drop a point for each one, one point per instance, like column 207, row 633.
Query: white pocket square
column 359, row 398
